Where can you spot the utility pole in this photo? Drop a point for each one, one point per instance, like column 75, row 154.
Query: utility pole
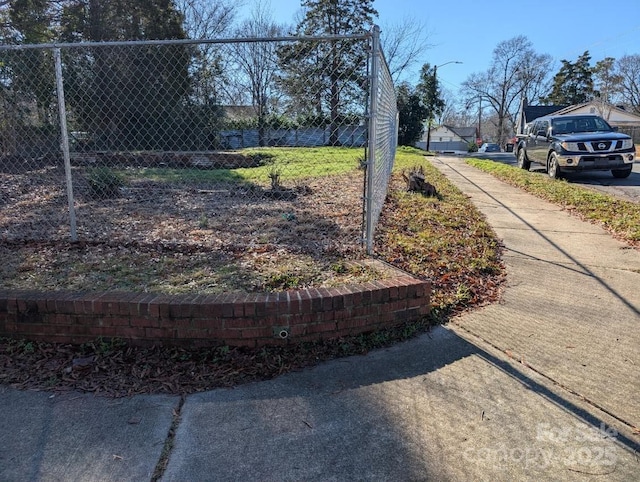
column 432, row 98
column 480, row 118
column 435, row 87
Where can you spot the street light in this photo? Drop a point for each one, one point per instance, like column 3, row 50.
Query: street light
column 435, row 87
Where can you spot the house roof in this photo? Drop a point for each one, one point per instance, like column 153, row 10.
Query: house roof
column 570, row 108
column 620, row 115
column 532, row 112
column 464, row 132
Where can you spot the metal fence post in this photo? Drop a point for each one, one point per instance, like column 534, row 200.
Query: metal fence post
column 64, row 143
column 371, row 161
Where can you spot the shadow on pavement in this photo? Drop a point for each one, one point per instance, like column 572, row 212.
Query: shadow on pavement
column 435, row 408
column 582, row 266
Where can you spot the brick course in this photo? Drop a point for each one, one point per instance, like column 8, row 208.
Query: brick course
column 235, row 319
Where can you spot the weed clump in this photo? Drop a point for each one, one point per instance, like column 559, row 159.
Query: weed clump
column 105, row 183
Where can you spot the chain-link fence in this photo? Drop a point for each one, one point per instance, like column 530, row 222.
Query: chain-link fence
column 223, row 143
column 383, row 139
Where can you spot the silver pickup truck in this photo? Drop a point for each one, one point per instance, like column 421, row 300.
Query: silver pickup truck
column 565, row 143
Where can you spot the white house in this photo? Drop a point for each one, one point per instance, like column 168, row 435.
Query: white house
column 614, row 115
column 446, row 138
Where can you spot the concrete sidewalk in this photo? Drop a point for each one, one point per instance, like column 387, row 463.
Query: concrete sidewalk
column 542, row 386
column 572, row 306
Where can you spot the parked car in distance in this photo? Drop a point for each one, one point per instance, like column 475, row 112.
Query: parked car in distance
column 489, row 147
column 566, row 143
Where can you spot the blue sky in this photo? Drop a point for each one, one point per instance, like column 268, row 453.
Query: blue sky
column 468, row 30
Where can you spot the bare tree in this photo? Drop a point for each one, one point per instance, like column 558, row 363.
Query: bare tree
column 607, row 86
column 404, row 43
column 206, row 19
column 516, row 71
column 256, row 61
column 628, row 67
column 459, row 115
column 448, row 110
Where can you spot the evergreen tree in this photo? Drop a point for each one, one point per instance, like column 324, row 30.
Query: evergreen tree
column 411, row 115
column 127, row 97
column 33, row 70
column 325, row 79
column 430, row 96
column 573, row 84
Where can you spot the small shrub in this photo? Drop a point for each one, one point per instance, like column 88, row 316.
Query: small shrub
column 105, row 183
column 203, row 221
column 274, row 176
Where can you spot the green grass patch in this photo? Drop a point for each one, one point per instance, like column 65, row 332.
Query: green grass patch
column 618, row 216
column 291, row 163
column 443, row 238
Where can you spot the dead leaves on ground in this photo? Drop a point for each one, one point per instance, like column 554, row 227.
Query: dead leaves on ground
column 444, row 240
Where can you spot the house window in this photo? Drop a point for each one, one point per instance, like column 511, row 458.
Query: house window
column 441, row 139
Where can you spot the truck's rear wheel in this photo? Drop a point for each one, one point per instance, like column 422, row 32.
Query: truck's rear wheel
column 553, row 169
column 523, row 162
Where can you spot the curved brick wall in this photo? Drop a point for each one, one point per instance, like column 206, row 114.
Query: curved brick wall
column 201, row 320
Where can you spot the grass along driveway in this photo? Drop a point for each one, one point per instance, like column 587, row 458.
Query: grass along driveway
column 621, row 218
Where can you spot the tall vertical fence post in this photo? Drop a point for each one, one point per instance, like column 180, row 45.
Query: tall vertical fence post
column 373, row 132
column 64, row 143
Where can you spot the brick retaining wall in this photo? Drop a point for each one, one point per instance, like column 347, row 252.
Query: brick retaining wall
column 253, row 319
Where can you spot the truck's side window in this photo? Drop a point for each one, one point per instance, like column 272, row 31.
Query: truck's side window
column 542, row 127
column 531, row 129
column 534, row 128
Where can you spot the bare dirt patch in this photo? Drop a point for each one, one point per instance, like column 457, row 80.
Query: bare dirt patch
column 171, row 238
